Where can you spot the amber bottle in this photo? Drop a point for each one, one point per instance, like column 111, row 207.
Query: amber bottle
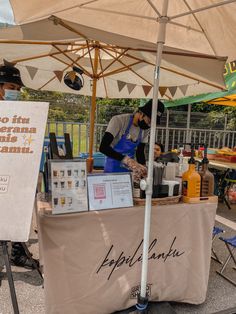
column 207, row 178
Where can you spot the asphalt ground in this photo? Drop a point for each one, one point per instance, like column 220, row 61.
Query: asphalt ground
column 221, row 295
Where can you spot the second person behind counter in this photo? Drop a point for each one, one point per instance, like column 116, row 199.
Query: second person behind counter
column 164, row 157
column 125, row 136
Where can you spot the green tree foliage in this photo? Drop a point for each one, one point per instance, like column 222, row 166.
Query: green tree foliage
column 70, row 107
column 216, row 116
column 107, row 108
column 63, row 106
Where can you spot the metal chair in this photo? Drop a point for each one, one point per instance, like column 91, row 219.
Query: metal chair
column 216, row 231
column 231, row 245
column 225, row 181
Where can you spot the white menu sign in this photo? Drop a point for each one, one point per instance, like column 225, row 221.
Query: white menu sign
column 68, row 186
column 22, row 129
column 109, row 190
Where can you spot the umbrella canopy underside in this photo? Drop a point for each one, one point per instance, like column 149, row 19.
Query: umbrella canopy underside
column 125, row 69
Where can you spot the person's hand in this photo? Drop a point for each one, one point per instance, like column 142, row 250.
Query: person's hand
column 139, row 171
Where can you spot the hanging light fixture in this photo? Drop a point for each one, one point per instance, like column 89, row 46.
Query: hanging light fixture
column 74, row 79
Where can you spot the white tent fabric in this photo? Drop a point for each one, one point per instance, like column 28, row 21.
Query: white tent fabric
column 209, row 31
column 125, row 68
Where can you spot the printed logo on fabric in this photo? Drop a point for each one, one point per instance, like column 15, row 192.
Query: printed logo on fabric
column 135, row 291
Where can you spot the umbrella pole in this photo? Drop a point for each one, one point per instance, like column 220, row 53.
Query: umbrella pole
column 92, row 112
column 143, row 297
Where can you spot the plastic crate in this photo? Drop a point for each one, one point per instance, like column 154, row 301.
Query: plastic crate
column 98, row 159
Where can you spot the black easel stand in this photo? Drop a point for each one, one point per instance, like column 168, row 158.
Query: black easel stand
column 9, row 277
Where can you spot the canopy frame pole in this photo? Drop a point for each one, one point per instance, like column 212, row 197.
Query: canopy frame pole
column 93, row 109
column 148, row 204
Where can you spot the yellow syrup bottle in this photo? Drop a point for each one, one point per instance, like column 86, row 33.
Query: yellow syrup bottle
column 191, row 180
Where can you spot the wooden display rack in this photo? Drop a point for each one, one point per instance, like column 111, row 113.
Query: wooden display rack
column 158, row 201
column 203, row 199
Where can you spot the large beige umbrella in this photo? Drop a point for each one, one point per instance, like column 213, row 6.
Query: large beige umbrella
column 114, row 66
column 205, row 26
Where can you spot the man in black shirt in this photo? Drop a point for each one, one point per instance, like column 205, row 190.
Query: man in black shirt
column 125, row 136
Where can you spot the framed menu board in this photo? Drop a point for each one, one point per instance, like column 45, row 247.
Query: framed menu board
column 68, row 186
column 109, row 190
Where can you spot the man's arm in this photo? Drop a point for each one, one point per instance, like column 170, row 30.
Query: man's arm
column 140, row 155
column 106, row 148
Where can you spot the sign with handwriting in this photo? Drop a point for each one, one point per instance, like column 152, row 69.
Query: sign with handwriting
column 22, row 128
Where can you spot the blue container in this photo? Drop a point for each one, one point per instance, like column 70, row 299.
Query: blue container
column 98, row 159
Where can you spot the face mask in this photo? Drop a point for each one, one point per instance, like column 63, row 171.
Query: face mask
column 143, row 125
column 11, row 94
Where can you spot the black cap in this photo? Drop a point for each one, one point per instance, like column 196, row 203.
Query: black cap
column 10, row 74
column 147, row 109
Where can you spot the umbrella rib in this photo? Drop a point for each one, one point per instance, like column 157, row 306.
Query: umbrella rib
column 120, row 13
column 185, row 54
column 63, row 10
column 73, row 62
column 176, row 72
column 193, row 78
column 111, row 48
column 185, row 26
column 59, row 21
column 154, row 8
column 41, row 56
column 110, row 64
column 65, row 25
column 103, row 78
column 204, row 56
column 129, row 67
column 35, row 42
column 85, row 72
column 201, row 9
column 199, row 24
column 63, row 53
column 123, row 69
column 141, row 60
column 56, row 76
column 90, row 57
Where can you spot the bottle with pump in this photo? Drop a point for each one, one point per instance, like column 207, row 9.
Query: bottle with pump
column 191, row 180
column 181, row 160
column 207, row 178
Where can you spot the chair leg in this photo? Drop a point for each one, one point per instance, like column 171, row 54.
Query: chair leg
column 227, row 203
column 226, row 263
column 215, row 257
column 225, row 198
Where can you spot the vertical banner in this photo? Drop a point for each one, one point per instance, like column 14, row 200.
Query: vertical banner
column 22, row 129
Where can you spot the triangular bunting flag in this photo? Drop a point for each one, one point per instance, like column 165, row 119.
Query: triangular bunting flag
column 130, row 87
column 8, row 63
column 172, row 90
column 32, row 71
column 146, row 89
column 162, row 90
column 121, row 85
column 59, row 75
column 183, row 89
